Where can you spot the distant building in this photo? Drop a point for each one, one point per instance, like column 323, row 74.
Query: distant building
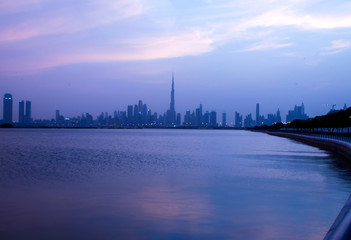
column 206, row 119
column 273, row 118
column 136, row 114
column 59, row 119
column 140, row 105
column 21, row 112
column 279, row 118
column 187, row 119
column 130, row 115
column 259, row 119
column 213, row 119
column 171, row 113
column 199, row 116
column 28, row 116
column 144, row 115
column 178, row 119
column 7, row 110
column 249, row 122
column 224, row 119
column 238, row 120
column 297, row 113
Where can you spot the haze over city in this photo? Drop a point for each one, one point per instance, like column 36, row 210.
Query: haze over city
column 100, row 56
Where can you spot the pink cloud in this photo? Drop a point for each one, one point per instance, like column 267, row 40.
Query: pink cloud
column 67, row 19
column 178, row 45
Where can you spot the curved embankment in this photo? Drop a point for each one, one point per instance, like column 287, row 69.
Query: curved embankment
column 341, row 228
column 340, row 148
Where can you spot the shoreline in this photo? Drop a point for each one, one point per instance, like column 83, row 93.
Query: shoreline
column 337, row 147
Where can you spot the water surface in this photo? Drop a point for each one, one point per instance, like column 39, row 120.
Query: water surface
column 165, row 184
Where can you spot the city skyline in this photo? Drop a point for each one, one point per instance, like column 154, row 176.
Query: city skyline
column 228, row 55
column 171, row 117
column 141, row 115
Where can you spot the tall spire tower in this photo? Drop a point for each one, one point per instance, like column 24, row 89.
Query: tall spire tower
column 172, row 95
column 172, row 112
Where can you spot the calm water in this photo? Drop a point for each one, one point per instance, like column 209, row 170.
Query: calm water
column 165, row 184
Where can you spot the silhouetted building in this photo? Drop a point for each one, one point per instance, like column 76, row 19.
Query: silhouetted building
column 171, row 114
column 144, row 115
column 59, row 119
column 259, row 119
column 279, row 118
column 206, row 120
column 199, row 116
column 123, row 118
column 28, row 116
column 130, row 115
column 155, row 119
column 273, row 118
column 7, row 110
column 297, row 113
column 136, row 114
column 249, row 122
column 187, row 119
column 140, row 105
column 224, row 119
column 149, row 118
column 101, row 120
column 213, row 119
column 89, row 119
column 21, row 112
column 178, row 119
column 238, row 120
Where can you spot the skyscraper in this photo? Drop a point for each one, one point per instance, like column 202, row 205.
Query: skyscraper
column 279, row 118
column 199, row 116
column 297, row 113
column 187, row 119
column 28, row 116
column 213, row 119
column 206, row 119
column 248, row 121
column 144, row 114
column 172, row 112
column 257, row 114
column 7, row 111
column 178, row 119
column 238, row 120
column 140, row 106
column 130, row 115
column 136, row 114
column 224, row 119
column 21, row 111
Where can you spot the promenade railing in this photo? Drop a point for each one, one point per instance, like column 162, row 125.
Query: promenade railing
column 340, row 136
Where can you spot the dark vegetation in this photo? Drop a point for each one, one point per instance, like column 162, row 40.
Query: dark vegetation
column 6, row 125
column 333, row 121
column 337, row 121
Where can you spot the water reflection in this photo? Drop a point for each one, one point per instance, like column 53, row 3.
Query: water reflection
column 193, row 185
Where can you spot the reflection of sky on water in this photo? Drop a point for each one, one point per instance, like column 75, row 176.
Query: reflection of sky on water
column 218, row 186
column 127, row 207
column 163, row 208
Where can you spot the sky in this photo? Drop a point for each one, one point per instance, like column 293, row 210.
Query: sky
column 102, row 55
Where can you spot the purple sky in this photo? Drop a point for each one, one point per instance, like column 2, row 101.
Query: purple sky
column 102, row 55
